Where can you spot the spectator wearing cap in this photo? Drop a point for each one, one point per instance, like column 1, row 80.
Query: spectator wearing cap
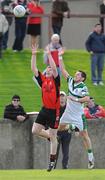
column 64, row 137
column 15, row 111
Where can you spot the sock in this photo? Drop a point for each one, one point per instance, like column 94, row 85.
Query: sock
column 90, row 155
column 52, row 157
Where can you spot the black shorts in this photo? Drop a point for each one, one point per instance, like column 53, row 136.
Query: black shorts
column 47, row 118
column 34, row 29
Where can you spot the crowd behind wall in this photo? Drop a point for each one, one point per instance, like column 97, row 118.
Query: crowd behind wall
column 73, row 36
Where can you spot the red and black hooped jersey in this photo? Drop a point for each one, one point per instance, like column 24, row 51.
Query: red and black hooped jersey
column 50, row 91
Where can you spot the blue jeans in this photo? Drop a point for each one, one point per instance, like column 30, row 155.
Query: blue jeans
column 5, row 40
column 20, row 32
column 97, row 65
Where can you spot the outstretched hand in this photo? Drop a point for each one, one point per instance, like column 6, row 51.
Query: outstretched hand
column 34, row 49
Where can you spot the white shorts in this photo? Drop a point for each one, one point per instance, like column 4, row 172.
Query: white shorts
column 70, row 118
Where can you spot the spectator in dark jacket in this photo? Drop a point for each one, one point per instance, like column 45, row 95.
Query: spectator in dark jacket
column 15, row 111
column 61, row 10
column 95, row 45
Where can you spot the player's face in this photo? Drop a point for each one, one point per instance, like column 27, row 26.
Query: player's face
column 78, row 77
column 49, row 72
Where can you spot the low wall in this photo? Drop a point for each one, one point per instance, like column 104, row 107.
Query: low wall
column 19, row 149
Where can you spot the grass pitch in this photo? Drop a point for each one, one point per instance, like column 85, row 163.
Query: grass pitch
column 16, row 78
column 53, row 175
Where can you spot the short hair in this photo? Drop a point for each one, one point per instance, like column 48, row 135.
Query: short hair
column 16, row 97
column 98, row 24
column 83, row 74
column 55, row 36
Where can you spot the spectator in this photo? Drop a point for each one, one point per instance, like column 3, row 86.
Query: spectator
column 60, row 9
column 95, row 45
column 56, row 51
column 49, row 113
column 93, row 110
column 15, row 111
column 64, row 137
column 7, row 11
column 102, row 12
column 3, row 29
column 34, row 23
column 20, row 28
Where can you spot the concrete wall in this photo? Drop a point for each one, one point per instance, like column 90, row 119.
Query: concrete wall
column 19, row 149
column 74, row 31
column 15, row 145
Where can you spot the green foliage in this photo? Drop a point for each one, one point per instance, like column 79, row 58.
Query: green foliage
column 16, row 78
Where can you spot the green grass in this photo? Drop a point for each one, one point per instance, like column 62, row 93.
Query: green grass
column 16, row 78
column 54, row 175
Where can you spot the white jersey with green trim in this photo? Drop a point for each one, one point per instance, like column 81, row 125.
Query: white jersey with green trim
column 74, row 110
column 77, row 90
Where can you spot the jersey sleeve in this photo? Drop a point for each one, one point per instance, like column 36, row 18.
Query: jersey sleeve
column 57, row 80
column 84, row 91
column 69, row 78
column 39, row 78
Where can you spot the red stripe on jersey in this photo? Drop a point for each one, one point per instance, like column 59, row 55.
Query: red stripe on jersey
column 50, row 92
column 49, row 95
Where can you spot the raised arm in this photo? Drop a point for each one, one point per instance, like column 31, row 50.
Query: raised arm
column 33, row 61
column 51, row 62
column 63, row 70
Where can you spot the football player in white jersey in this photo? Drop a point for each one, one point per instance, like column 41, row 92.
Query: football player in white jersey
column 73, row 116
